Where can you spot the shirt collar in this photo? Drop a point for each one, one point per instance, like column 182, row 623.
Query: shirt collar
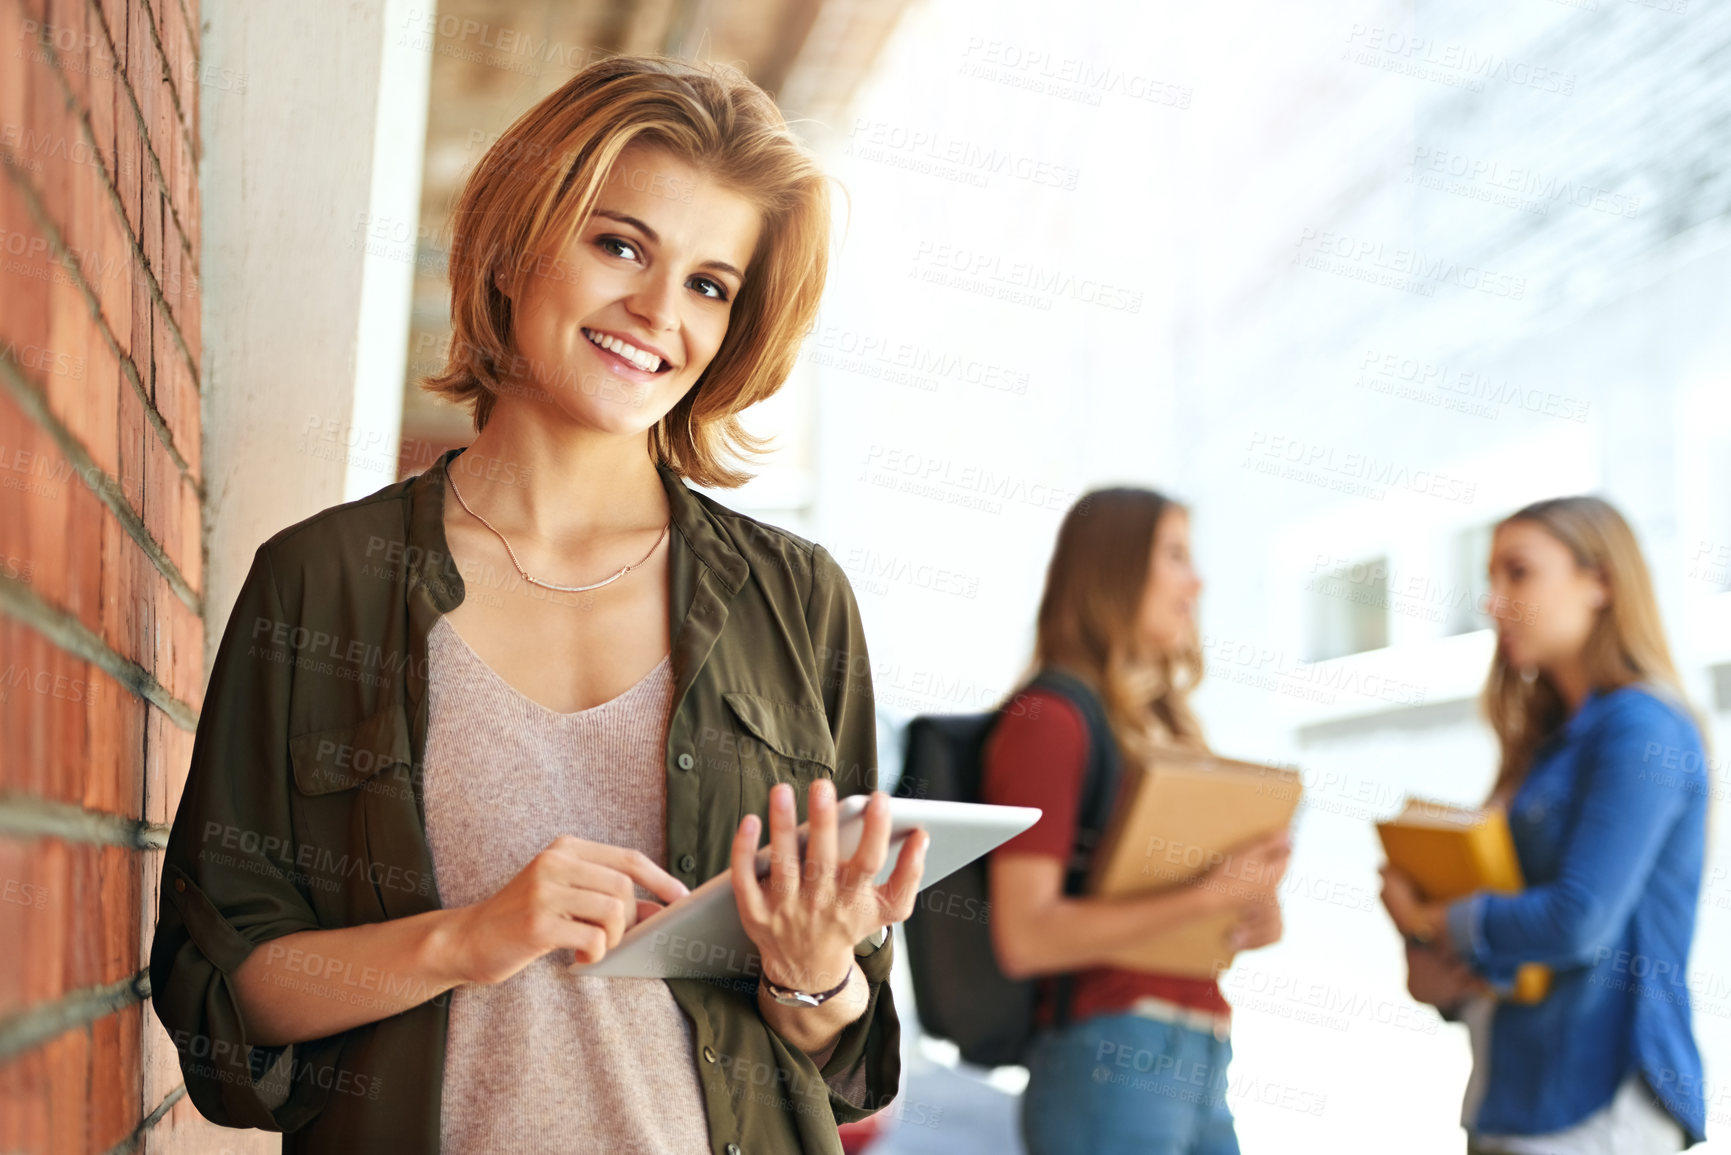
column 429, row 560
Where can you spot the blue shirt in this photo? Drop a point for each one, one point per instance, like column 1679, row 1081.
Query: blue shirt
column 1610, row 828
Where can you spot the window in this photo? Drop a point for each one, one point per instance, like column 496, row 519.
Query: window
column 1349, row 610
column 1469, row 591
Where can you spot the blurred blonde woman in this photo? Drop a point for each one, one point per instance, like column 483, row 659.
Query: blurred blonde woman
column 1603, row 781
column 1119, row 617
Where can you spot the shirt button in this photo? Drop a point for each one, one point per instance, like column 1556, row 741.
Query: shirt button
column 733, row 1149
column 708, row 1053
column 686, row 761
column 180, row 884
column 687, row 863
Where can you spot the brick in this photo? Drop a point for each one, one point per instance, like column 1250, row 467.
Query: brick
column 113, row 14
column 24, row 1123
column 181, row 49
column 114, row 289
column 177, row 402
column 170, row 275
column 192, row 527
column 164, row 509
column 139, row 344
column 24, row 320
column 129, row 145
column 131, row 430
column 69, row 373
column 113, row 1078
column 82, row 918
column 150, row 240
column 167, row 757
column 101, row 109
column 42, row 1090
column 13, row 91
column 34, row 975
column 68, row 1059
column 67, row 22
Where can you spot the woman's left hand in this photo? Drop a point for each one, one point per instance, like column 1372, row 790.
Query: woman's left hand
column 807, row 920
column 1411, row 914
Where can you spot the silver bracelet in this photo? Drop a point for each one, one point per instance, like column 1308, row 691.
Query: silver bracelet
column 788, row 997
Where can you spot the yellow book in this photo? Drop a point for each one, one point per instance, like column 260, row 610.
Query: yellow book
column 1451, row 851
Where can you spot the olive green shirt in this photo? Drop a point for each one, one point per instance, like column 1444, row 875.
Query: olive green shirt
column 303, row 811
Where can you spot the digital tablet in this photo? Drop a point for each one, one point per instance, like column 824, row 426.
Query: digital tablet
column 700, row 935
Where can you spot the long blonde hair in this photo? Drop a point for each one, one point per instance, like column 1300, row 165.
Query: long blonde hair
column 1626, row 645
column 539, row 182
column 1087, row 621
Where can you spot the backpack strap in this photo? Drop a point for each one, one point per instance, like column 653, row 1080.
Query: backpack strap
column 1100, row 774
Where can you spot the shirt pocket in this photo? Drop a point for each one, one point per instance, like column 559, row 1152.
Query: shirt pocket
column 343, row 757
column 784, row 742
column 356, row 826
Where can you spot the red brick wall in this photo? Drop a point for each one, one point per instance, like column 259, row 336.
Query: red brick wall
column 101, row 569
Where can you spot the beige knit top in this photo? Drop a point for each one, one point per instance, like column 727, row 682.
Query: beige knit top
column 549, row 1061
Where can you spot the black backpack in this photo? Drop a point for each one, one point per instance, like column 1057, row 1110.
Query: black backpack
column 959, row 991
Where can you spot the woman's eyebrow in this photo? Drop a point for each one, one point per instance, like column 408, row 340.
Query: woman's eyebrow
column 626, row 218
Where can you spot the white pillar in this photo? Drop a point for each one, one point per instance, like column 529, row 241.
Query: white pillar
column 315, row 153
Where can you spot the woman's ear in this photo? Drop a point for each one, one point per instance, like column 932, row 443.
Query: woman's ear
column 502, row 282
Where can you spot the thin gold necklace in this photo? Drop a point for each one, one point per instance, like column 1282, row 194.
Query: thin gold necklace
column 550, row 585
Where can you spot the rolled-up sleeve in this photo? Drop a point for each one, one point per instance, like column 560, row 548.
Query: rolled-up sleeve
column 864, row 1070
column 228, row 885
column 1626, row 814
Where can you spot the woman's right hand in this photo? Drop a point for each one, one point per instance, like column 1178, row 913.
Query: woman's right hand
column 1251, row 872
column 575, row 894
column 1437, row 977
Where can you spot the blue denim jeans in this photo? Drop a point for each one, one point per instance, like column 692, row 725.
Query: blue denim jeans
column 1123, row 1083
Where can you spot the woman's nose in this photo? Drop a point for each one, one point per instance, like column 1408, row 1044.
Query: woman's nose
column 654, row 301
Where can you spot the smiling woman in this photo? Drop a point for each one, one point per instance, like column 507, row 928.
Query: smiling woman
column 634, row 262
column 613, row 197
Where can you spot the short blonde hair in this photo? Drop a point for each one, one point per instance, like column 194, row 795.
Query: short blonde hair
column 539, row 182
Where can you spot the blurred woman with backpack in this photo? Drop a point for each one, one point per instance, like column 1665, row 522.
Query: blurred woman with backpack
column 1118, row 615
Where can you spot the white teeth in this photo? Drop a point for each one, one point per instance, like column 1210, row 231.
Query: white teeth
column 648, row 362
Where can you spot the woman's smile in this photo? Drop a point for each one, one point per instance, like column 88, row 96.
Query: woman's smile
column 635, row 359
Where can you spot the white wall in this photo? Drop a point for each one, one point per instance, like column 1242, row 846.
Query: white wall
column 303, row 331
